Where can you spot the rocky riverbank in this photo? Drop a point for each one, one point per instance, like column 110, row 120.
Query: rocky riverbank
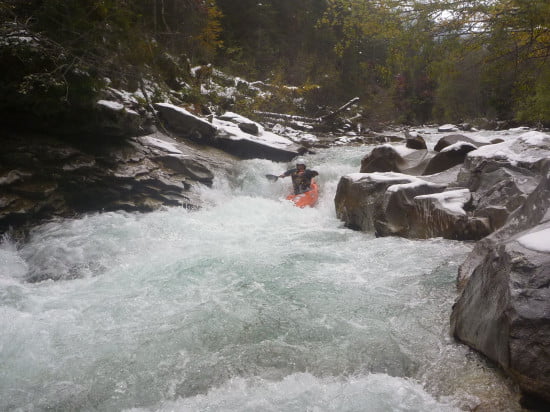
column 495, row 191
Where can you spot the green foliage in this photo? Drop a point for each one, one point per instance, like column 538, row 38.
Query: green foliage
column 534, row 105
column 412, row 60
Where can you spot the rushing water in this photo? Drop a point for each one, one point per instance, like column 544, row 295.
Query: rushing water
column 249, row 304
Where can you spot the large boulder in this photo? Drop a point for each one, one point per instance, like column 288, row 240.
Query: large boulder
column 415, row 141
column 246, row 145
column 43, row 178
column 448, row 157
column 452, row 139
column 501, row 176
column 390, row 158
column 503, row 310
column 444, row 215
column 230, row 132
column 185, row 123
column 400, row 205
column 383, row 158
column 113, row 118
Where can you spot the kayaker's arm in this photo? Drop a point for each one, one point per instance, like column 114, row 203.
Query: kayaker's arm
column 287, row 173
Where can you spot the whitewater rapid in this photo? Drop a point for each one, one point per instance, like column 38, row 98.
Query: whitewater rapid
column 249, row 304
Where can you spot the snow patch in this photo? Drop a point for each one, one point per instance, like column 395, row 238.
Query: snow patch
column 111, row 105
column 538, row 241
column 232, row 131
column 160, row 144
column 528, row 147
column 457, row 147
column 452, row 201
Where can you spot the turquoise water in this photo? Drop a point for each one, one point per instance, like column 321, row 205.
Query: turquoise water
column 249, row 304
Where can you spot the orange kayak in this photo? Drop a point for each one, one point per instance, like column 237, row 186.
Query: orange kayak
column 308, row 198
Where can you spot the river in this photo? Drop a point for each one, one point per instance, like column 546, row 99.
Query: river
column 249, row 304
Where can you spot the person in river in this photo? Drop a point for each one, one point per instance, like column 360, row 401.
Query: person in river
column 301, row 176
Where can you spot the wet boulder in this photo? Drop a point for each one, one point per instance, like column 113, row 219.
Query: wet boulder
column 113, row 118
column 394, row 204
column 501, row 176
column 448, row 128
column 448, row 157
column 415, row 141
column 246, row 125
column 383, row 158
column 503, row 309
column 248, row 140
column 444, row 215
column 379, row 202
column 42, row 178
column 231, row 133
column 389, row 158
column 185, row 123
column 451, row 139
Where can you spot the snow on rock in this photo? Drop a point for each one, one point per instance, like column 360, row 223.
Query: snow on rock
column 526, row 148
column 380, row 177
column 245, row 124
column 448, row 128
column 232, row 131
column 452, row 201
column 390, row 204
column 111, row 104
column 457, row 147
column 538, row 241
column 160, row 144
column 181, row 121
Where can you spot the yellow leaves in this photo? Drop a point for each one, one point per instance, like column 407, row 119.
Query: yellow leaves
column 209, row 38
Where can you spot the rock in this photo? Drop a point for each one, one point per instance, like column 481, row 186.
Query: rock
column 383, row 158
column 13, row 176
column 380, row 202
column 465, row 127
column 502, row 176
column 451, row 139
column 386, row 158
column 183, row 122
column 443, row 215
column 112, row 118
column 447, row 158
column 415, row 141
column 250, row 128
column 503, row 310
column 266, row 145
column 62, row 180
column 246, row 125
column 228, row 135
column 447, row 128
column 186, row 166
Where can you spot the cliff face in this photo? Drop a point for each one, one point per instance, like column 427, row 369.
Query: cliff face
column 43, row 177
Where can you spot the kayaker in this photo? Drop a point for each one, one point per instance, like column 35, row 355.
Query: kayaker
column 301, row 177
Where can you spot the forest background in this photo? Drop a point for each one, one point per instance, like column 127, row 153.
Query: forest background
column 409, row 61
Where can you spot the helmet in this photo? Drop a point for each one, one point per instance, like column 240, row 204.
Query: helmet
column 300, row 161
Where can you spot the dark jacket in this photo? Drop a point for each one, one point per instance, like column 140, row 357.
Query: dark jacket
column 301, row 182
